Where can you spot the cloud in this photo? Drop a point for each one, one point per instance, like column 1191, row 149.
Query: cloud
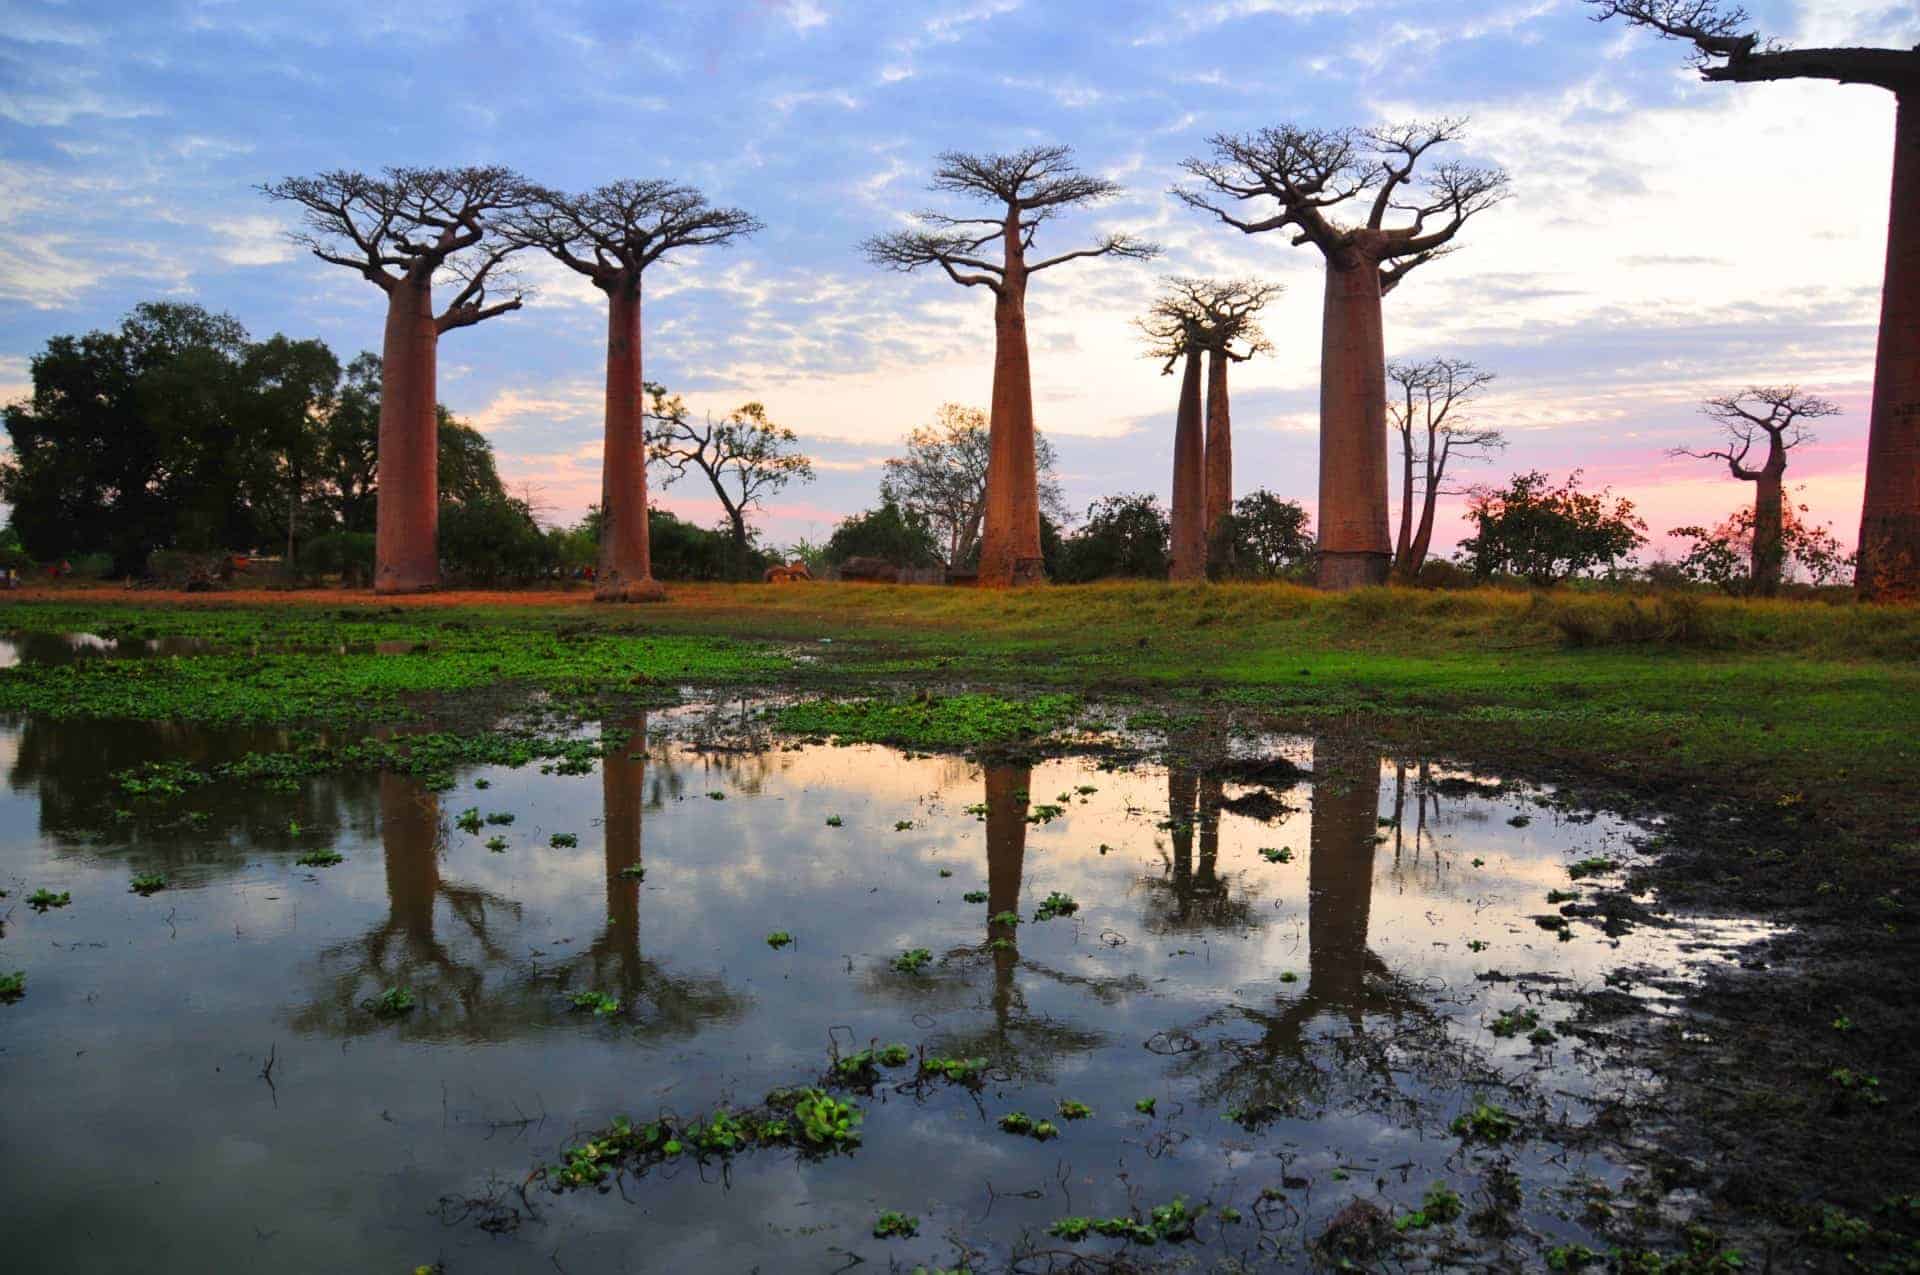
column 253, row 241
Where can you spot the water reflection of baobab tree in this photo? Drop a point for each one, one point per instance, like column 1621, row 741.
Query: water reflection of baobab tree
column 1342, row 1025
column 1016, row 1039
column 1191, row 894
column 459, row 948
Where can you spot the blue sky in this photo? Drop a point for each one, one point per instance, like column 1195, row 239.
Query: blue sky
column 1665, row 240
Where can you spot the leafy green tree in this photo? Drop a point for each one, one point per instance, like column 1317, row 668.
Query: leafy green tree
column 1124, row 535
column 1723, row 555
column 292, row 387
column 1270, row 536
column 901, row 537
column 745, row 457
column 1544, row 533
column 943, row 478
column 491, row 539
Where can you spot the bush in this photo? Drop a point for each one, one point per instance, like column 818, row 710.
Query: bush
column 347, row 554
column 1125, row 535
column 492, row 539
column 682, row 551
column 901, row 538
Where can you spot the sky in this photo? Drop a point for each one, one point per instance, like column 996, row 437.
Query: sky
column 1665, row 239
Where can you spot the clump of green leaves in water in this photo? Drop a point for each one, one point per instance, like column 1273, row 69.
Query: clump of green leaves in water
column 1004, row 918
column 825, row 1122
column 971, row 1072
column 892, row 1225
column 1145, row 1106
column 912, row 961
column 497, row 844
column 602, row 1005
column 974, row 896
column 633, row 872
column 1562, row 896
column 1019, row 1122
column 320, row 859
column 393, row 1002
column 1071, row 1110
column 1590, row 867
column 1440, row 1206
column 1001, row 945
column 1168, row 1223
column 1255, row 1115
column 1056, row 904
column 809, row 1119
column 903, row 825
column 468, row 820
column 946, row 872
column 563, row 841
column 42, row 899
column 1288, row 976
column 953, row 721
column 1571, row 1257
column 1858, row 1083
column 13, row 986
column 1485, row 1122
column 1520, row 821
column 1280, row 854
column 1514, row 1021
column 1477, row 945
column 147, row 883
column 863, row 1068
column 779, row 939
column 716, row 796
column 1045, row 813
column 835, row 821
column 500, row 818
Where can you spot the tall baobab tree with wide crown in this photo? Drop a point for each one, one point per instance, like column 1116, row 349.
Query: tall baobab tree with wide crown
column 1727, row 49
column 1778, row 415
column 1427, row 409
column 1025, row 190
column 1221, row 317
column 1306, row 174
column 611, row 235
column 403, row 231
column 1175, row 334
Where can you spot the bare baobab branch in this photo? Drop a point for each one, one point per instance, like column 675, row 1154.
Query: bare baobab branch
column 1426, row 410
column 1024, row 189
column 1725, row 49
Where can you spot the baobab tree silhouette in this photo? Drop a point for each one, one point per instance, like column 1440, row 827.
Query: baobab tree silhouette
column 1028, row 188
column 1309, row 173
column 1726, row 49
column 1779, row 414
column 611, row 235
column 402, row 231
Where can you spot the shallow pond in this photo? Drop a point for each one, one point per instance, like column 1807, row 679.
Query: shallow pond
column 1307, row 959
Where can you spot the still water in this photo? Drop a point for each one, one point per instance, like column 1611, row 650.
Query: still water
column 1347, row 993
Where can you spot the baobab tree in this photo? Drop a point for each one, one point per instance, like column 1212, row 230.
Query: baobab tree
column 1220, row 317
column 611, row 235
column 1726, row 49
column 745, row 458
column 1426, row 409
column 1025, row 190
column 1779, row 415
column 943, row 478
column 1306, row 174
column 1176, row 340
column 404, row 231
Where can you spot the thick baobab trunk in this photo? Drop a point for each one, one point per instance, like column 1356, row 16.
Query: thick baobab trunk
column 1010, row 539
column 1768, row 541
column 626, row 564
column 1189, row 547
column 1890, row 513
column 406, row 548
column 1219, row 463
column 1353, row 428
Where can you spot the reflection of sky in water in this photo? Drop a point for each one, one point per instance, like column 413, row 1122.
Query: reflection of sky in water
column 147, row 1021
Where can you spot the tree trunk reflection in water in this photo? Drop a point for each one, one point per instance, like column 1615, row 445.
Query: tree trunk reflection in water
column 1007, row 799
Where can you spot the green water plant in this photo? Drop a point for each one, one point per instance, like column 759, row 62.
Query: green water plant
column 1589, row 867
column 497, row 844
column 13, row 986
column 320, row 859
column 1071, row 1110
column 602, row 1005
column 147, row 883
column 974, row 896
column 1440, row 1206
column 563, row 841
column 971, row 1072
column 1281, row 854
column 1056, row 904
column 500, row 818
column 1169, row 1223
column 1485, row 1122
column 468, row 820
column 42, row 899
column 1145, row 1106
column 1514, row 1021
column 1004, row 918
column 779, row 939
column 1019, row 1122
column 863, row 1068
column 891, row 1225
column 633, row 872
column 393, row 1002
column 912, row 961
column 835, row 821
